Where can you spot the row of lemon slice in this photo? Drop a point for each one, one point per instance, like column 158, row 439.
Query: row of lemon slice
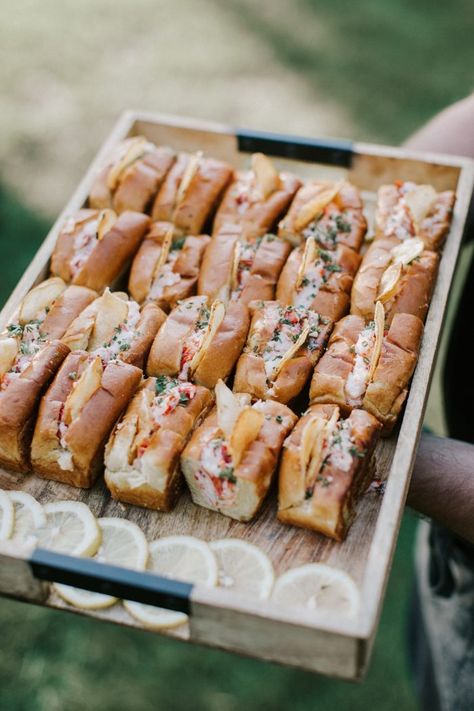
column 70, row 527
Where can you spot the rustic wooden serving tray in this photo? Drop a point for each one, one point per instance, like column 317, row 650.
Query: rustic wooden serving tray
column 218, row 617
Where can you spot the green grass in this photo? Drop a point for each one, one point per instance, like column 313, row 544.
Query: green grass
column 391, row 65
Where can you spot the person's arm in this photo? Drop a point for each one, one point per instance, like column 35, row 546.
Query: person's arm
column 451, row 131
column 442, row 486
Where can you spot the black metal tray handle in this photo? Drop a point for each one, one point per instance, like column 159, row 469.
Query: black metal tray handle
column 338, row 152
column 111, row 580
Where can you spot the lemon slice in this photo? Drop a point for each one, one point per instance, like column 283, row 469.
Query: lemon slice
column 7, row 516
column 181, row 558
column 70, row 528
column 243, row 567
column 29, row 516
column 318, row 587
column 124, row 544
column 389, row 282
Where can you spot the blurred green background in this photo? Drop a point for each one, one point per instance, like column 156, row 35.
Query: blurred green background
column 371, row 70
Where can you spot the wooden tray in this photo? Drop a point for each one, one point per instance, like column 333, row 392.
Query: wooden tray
column 219, row 617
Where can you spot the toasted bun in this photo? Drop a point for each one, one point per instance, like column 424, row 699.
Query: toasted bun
column 186, row 266
column 269, row 261
column 415, row 287
column 158, row 483
column 113, row 253
column 151, row 319
column 80, row 333
column 201, row 196
column 215, row 278
column 19, row 403
column 137, row 184
column 433, row 228
column 388, row 388
column 140, row 182
column 255, row 471
column 260, row 216
column 330, row 375
column 333, row 298
column 100, row 197
column 64, row 248
column 367, row 282
column 88, row 433
column 216, row 269
column 250, row 375
column 110, row 255
column 166, row 350
column 225, row 348
column 347, row 201
column 45, row 445
column 330, row 508
column 221, row 353
column 65, row 309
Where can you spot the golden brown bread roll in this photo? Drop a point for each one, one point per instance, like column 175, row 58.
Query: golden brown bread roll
column 165, row 270
column 405, row 210
column 21, row 388
column 231, row 458
column 200, row 341
column 256, row 199
column 29, row 355
column 365, row 367
column 115, row 328
column 401, row 275
column 325, row 467
column 236, row 269
column 132, row 176
column 190, row 192
column 330, row 212
column 95, row 246
column 142, row 454
column 319, row 279
column 283, row 345
column 48, row 309
column 77, row 415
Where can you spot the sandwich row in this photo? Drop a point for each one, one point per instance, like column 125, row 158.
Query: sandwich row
column 95, row 247
column 91, row 356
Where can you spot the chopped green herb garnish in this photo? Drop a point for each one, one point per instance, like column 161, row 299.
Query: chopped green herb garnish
column 15, row 329
column 72, row 375
column 341, row 224
column 162, row 382
column 177, row 244
column 228, row 474
column 183, row 399
column 279, row 419
column 356, row 452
